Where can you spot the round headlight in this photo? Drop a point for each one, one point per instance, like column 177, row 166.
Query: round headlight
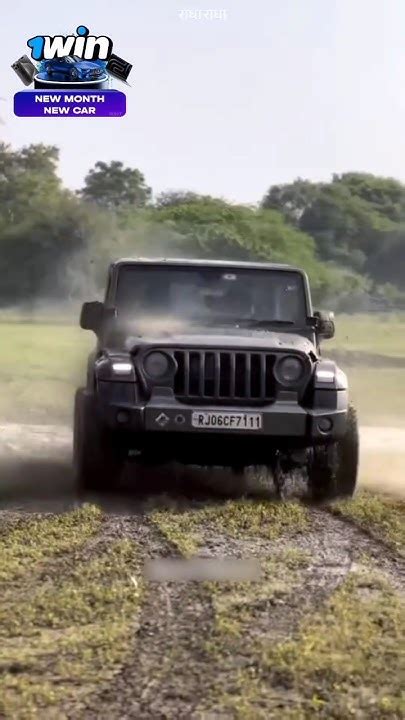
column 290, row 370
column 156, row 364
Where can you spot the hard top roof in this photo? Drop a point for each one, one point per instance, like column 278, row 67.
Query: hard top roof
column 203, row 263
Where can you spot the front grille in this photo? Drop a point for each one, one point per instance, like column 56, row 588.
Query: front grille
column 224, row 376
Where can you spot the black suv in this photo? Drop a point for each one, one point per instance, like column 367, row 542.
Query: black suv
column 212, row 363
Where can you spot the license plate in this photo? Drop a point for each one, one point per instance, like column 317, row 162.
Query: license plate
column 227, row 421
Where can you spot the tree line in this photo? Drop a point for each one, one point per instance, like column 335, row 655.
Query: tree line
column 348, row 233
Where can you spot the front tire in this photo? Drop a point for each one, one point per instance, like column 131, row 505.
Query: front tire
column 97, row 463
column 333, row 469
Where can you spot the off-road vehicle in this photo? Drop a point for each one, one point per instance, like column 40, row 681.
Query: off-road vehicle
column 212, row 363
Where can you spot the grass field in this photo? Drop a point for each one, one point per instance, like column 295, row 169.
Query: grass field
column 42, row 363
column 377, row 387
column 84, row 633
column 41, row 366
column 382, row 334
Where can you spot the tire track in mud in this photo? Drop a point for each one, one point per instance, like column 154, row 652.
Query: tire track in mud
column 168, row 668
column 59, row 613
column 360, row 545
column 178, row 658
column 184, row 650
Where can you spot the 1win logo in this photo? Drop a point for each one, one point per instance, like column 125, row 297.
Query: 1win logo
column 84, row 46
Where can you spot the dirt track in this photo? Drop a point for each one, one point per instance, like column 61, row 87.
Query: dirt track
column 35, row 463
column 193, row 651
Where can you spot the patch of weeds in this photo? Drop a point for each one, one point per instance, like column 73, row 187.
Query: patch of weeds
column 384, row 517
column 74, row 633
column 346, row 661
column 242, row 614
column 237, row 601
column 87, row 595
column 180, row 534
column 37, row 540
column 235, row 604
column 294, row 558
column 235, row 518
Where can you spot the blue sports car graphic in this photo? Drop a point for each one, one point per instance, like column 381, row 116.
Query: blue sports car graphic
column 72, row 68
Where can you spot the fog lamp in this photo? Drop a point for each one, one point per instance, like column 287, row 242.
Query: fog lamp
column 325, row 425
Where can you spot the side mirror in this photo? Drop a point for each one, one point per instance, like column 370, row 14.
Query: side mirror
column 325, row 325
column 91, row 316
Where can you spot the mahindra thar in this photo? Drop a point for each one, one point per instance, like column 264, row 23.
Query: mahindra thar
column 212, row 363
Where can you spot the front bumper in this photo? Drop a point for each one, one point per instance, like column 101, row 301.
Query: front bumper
column 282, row 420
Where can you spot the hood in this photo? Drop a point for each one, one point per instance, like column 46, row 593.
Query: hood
column 245, row 339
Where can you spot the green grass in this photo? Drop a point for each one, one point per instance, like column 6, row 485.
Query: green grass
column 343, row 661
column 41, row 366
column 378, row 395
column 377, row 392
column 236, row 518
column 233, row 602
column 383, row 517
column 66, row 633
column 28, row 545
column 381, row 334
column 84, row 595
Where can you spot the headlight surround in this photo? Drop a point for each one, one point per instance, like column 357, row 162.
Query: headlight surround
column 157, row 364
column 289, row 370
column 109, row 367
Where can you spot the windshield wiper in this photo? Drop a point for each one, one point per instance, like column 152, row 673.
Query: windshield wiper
column 214, row 320
column 263, row 323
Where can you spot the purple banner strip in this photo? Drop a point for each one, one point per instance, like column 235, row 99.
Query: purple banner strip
column 70, row 103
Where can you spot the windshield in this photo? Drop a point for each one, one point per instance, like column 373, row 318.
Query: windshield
column 211, row 296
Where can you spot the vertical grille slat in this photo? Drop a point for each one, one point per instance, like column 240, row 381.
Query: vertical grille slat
column 217, row 374
column 186, row 373
column 232, row 376
column 269, row 375
column 262, row 376
column 248, row 391
column 224, row 375
column 201, row 384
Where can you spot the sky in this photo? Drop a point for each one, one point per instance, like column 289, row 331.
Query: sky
column 280, row 89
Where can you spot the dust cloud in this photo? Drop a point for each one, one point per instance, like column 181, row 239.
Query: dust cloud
column 382, row 460
column 36, row 468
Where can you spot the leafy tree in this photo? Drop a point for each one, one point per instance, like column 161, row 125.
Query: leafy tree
column 40, row 223
column 357, row 221
column 292, row 199
column 58, row 244
column 27, row 177
column 384, row 195
column 113, row 185
column 178, row 197
column 214, row 228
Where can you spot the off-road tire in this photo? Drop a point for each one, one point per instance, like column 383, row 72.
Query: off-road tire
column 332, row 471
column 97, row 464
